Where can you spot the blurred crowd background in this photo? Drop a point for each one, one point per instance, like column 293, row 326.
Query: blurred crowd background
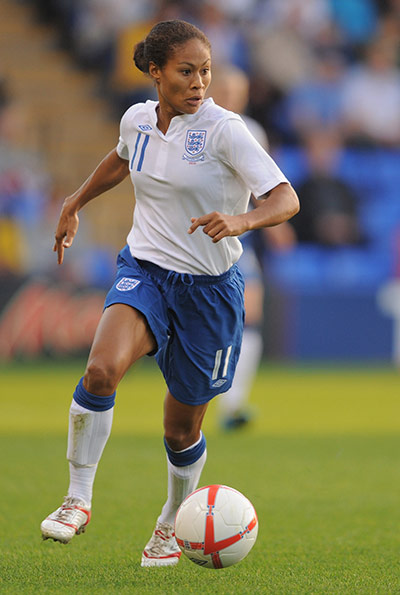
column 324, row 83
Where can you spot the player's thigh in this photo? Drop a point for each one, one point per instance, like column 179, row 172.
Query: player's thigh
column 122, row 337
column 182, row 422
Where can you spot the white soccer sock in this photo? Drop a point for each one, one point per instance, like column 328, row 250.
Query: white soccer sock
column 182, row 481
column 237, row 396
column 87, row 436
column 81, row 482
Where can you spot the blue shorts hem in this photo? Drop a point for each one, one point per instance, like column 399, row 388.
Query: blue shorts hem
column 180, row 393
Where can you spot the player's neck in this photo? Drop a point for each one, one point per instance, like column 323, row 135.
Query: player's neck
column 164, row 117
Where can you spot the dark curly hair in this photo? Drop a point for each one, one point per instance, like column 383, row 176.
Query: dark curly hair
column 162, row 41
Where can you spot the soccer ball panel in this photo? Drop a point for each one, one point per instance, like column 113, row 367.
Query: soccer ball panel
column 190, row 518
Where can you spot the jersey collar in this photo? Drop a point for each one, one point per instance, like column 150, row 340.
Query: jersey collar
column 177, row 122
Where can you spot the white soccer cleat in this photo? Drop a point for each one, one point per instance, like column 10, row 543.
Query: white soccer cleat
column 70, row 519
column 162, row 549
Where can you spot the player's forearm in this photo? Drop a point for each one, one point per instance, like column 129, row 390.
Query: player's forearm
column 274, row 208
column 109, row 173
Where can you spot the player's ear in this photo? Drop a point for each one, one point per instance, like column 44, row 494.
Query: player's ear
column 154, row 72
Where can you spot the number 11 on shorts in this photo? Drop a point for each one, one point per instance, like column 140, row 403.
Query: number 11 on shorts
column 219, row 362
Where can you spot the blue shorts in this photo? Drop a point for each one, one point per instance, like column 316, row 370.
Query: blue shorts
column 197, row 321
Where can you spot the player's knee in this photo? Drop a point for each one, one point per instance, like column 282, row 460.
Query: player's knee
column 101, row 378
column 179, row 439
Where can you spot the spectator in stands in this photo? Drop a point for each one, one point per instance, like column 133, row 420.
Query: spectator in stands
column 230, row 45
column 371, row 97
column 316, row 101
column 281, row 55
column 329, row 206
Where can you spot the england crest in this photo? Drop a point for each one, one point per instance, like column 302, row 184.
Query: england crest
column 195, row 141
column 127, row 283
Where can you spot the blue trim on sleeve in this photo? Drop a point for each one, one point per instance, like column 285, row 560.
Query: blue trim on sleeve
column 91, row 401
column 187, row 456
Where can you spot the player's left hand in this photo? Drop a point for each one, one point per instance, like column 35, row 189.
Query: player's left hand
column 218, row 225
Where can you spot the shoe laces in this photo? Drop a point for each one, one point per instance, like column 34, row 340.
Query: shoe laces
column 163, row 537
column 67, row 508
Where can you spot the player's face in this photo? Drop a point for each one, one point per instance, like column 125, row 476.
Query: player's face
column 183, row 81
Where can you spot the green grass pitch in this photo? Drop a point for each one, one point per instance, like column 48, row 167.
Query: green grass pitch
column 320, row 464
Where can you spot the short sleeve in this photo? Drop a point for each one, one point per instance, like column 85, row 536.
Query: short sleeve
column 122, row 147
column 238, row 149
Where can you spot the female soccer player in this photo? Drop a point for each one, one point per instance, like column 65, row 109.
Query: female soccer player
column 178, row 293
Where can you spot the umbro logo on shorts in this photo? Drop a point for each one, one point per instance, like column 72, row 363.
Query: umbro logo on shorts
column 127, row 283
column 219, row 383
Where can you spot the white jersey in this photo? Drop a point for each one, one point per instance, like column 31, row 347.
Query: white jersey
column 207, row 161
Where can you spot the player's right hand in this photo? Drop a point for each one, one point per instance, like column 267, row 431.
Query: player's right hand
column 67, row 228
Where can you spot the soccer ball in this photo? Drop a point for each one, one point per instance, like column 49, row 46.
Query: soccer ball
column 216, row 526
